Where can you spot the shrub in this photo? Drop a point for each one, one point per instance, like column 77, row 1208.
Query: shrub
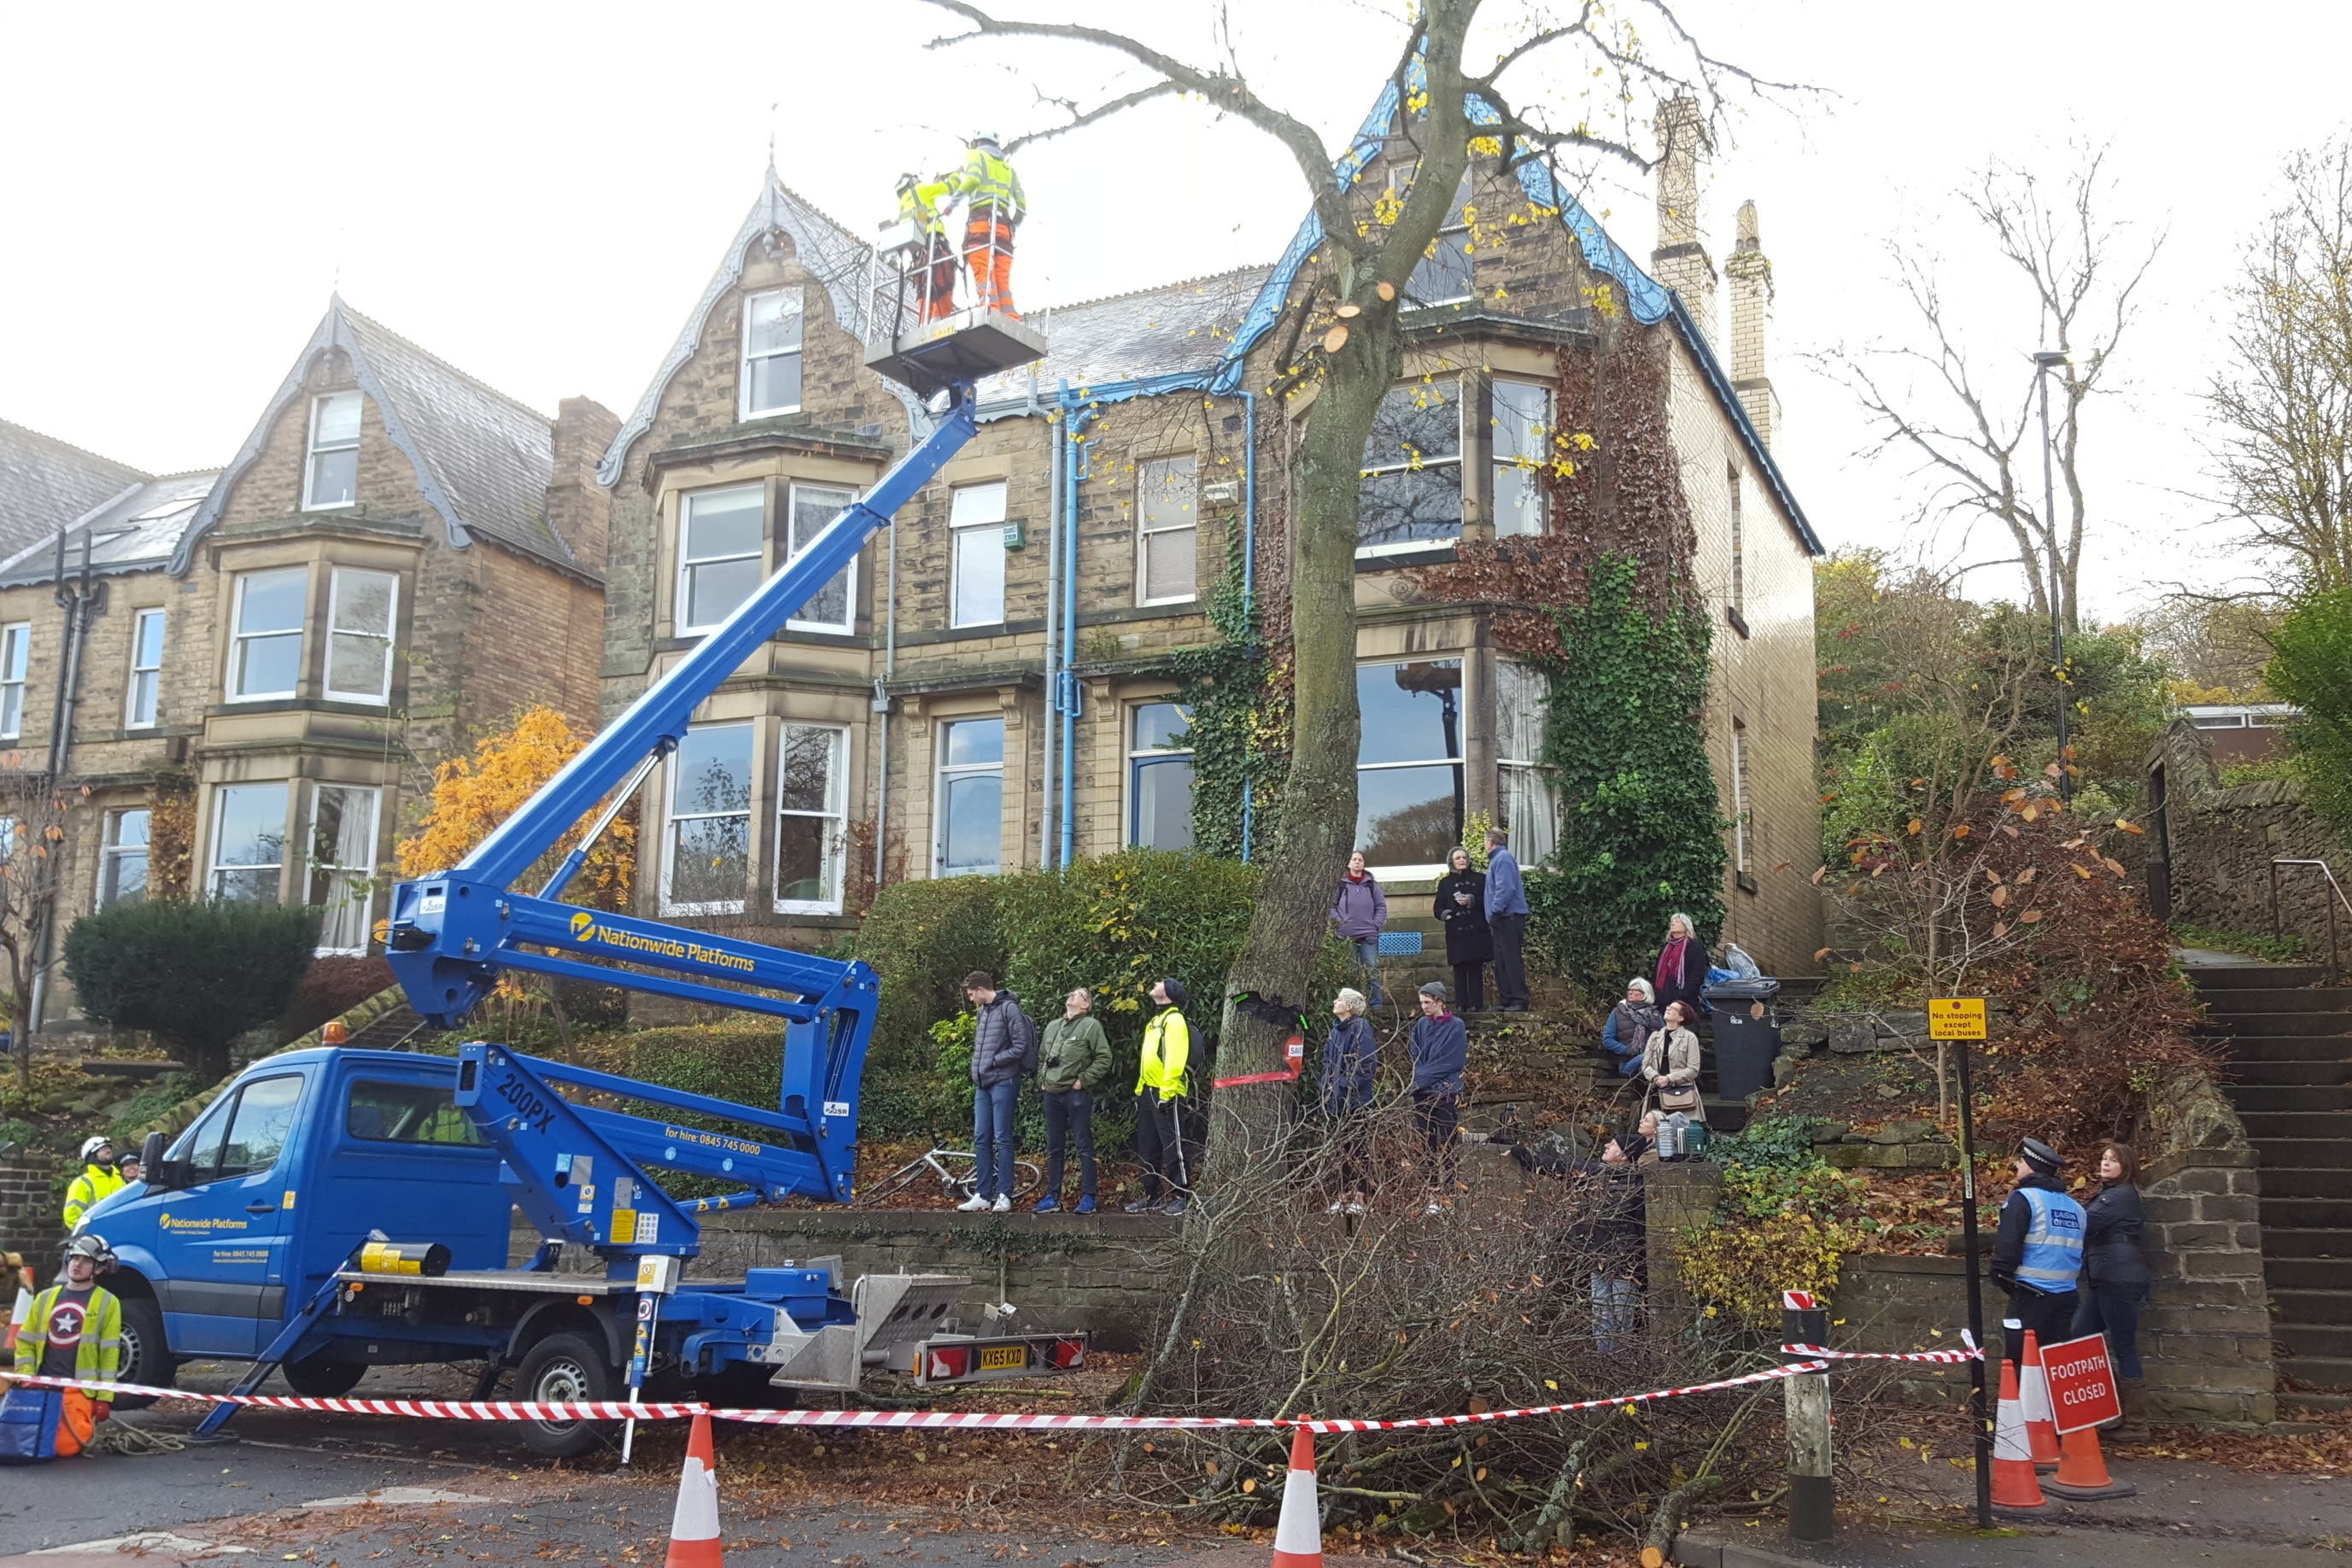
column 922, row 938
column 2311, row 666
column 330, row 988
column 197, row 975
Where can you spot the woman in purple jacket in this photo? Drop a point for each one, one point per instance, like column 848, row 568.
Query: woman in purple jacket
column 1360, row 910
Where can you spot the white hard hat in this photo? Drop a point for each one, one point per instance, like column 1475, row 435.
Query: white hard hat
column 92, row 1245
column 987, row 139
column 90, row 1146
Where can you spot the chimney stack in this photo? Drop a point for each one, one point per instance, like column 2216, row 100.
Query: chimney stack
column 1681, row 260
column 578, row 509
column 1751, row 310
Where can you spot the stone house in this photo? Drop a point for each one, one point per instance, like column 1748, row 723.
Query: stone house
column 989, row 686
column 271, row 658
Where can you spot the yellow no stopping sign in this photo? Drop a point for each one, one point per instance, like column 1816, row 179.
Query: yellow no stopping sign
column 1956, row 1019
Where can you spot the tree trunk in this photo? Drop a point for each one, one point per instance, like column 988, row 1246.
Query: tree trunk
column 1292, row 915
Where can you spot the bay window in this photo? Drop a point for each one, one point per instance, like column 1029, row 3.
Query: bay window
column 342, row 865
column 265, row 655
column 707, row 861
column 361, row 609
column 1522, row 450
column 1409, row 494
column 721, row 554
column 248, row 843
column 1408, row 764
column 811, row 834
column 1529, row 807
column 808, row 512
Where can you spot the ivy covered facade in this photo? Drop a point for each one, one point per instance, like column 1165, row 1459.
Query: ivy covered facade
column 1074, row 640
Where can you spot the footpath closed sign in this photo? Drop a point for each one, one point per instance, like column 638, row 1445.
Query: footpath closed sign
column 2082, row 1384
column 1956, row 1019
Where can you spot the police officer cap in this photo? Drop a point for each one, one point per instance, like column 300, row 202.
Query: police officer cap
column 2041, row 1156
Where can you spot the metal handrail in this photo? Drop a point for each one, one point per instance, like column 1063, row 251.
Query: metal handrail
column 2335, row 949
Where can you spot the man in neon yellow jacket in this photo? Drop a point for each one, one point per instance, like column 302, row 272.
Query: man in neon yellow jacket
column 934, row 273
column 1159, row 1102
column 75, row 1329
column 98, row 1180
column 993, row 207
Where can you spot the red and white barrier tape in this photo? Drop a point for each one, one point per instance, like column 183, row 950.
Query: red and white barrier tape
column 1941, row 1357
column 518, row 1410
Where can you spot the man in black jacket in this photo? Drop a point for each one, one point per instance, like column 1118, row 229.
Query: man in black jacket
column 1002, row 1037
column 2037, row 1253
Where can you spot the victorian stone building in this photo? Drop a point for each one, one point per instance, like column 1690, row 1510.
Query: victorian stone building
column 243, row 679
column 990, row 686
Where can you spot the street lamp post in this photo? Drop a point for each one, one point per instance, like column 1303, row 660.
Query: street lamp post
column 2044, row 362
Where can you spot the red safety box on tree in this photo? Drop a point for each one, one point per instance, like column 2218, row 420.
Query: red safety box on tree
column 2082, row 1384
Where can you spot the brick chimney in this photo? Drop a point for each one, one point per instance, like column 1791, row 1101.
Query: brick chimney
column 1751, row 310
column 1681, row 262
column 578, row 508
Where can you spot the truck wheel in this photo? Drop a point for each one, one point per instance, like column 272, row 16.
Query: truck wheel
column 315, row 1377
column 146, row 1358
column 564, row 1369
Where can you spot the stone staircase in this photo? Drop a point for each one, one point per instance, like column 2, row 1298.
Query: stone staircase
column 388, row 1030
column 2290, row 1077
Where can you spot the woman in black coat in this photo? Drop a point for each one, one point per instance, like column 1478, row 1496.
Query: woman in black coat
column 1681, row 969
column 1461, row 908
column 2115, row 1280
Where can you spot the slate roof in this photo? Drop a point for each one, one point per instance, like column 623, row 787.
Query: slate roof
column 1172, row 329
column 46, row 484
column 483, row 459
column 137, row 530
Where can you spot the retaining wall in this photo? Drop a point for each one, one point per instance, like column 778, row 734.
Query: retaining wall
column 29, row 1219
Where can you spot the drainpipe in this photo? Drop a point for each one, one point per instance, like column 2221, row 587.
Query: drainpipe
column 80, row 600
column 882, row 705
column 1075, row 419
column 1048, row 802
column 1249, row 565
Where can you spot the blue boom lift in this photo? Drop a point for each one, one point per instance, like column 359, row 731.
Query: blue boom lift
column 335, row 1208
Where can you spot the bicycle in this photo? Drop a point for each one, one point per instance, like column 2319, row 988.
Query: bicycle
column 957, row 1173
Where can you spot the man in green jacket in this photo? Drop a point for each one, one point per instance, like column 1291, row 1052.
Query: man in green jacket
column 1073, row 1062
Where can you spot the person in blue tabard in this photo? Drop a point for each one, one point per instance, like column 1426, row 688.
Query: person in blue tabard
column 2037, row 1253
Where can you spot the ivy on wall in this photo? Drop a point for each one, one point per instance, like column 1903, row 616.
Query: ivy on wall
column 1240, row 728
column 1604, row 604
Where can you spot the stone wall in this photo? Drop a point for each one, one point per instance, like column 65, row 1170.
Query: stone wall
column 2214, row 847
column 29, row 1222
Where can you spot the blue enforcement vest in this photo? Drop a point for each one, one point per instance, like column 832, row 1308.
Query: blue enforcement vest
column 2054, row 1242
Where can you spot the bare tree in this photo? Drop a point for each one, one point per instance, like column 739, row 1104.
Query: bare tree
column 2283, row 405
column 1345, row 337
column 1971, row 421
column 33, row 820
column 2213, row 648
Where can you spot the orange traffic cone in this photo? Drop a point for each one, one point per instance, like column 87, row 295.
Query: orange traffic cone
column 2083, row 1469
column 2014, row 1483
column 2040, row 1421
column 1298, row 1533
column 694, row 1527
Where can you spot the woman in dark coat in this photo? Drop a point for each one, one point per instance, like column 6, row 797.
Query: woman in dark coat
column 2115, row 1282
column 1461, row 907
column 1682, row 966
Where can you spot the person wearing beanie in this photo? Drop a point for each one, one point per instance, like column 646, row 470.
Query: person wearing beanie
column 1440, row 1050
column 2037, row 1253
column 1160, row 1101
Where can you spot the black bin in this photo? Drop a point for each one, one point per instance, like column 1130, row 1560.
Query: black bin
column 1744, row 1043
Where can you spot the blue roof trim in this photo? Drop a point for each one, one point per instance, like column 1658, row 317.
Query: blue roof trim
column 333, row 332
column 1648, row 300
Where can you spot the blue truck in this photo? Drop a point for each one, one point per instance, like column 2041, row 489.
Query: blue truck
column 336, row 1210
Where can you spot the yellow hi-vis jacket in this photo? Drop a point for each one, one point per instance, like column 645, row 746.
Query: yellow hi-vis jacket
column 95, row 1182
column 921, row 206
column 986, row 183
column 1167, row 1046
column 97, row 1358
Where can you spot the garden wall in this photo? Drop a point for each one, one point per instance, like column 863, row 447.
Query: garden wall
column 30, row 1222
column 2214, row 847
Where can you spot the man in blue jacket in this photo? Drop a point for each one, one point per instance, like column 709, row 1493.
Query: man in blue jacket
column 1507, row 918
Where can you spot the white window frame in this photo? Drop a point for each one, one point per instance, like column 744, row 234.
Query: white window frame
column 684, row 599
column 1531, row 464
column 671, row 818
column 942, row 771
column 313, row 868
column 1460, row 764
column 955, row 553
column 836, row 813
column 849, row 578
column 214, row 864
column 15, row 665
column 1139, row 758
column 1146, row 475
column 380, row 696
column 743, row 364
column 313, row 451
column 1453, row 232
column 1422, row 464
column 146, row 679
column 111, row 852
column 239, row 636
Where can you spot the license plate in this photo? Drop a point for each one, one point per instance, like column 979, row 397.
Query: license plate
column 1003, row 1358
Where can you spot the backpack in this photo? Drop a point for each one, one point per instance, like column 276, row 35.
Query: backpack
column 1024, row 1030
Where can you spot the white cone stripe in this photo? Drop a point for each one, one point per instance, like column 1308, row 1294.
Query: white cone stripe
column 696, row 1515
column 2034, row 1390
column 1299, row 1532
column 2008, row 1437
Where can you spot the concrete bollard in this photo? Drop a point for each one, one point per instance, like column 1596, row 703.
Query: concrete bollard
column 1813, row 1498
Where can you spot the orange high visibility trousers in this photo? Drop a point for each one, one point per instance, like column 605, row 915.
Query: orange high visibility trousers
column 935, row 281
column 988, row 258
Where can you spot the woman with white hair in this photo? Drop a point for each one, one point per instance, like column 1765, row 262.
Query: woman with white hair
column 1629, row 1025
column 1681, row 965
column 1350, row 1060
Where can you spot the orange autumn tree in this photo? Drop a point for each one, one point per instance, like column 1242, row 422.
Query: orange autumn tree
column 472, row 795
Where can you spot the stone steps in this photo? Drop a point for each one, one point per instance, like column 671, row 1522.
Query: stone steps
column 2305, row 1214
column 2270, row 1025
column 2254, row 1098
column 2215, row 981
column 2303, row 999
column 2292, row 1124
column 2326, row 1342
column 2331, row 1276
column 2314, row 1307
column 2292, row 1074
column 2315, row 1154
column 2300, row 1182
column 2288, row 1243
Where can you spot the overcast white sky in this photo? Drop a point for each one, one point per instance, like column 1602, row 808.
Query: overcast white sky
column 538, row 191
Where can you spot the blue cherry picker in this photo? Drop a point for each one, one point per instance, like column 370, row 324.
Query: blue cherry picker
column 335, row 1209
